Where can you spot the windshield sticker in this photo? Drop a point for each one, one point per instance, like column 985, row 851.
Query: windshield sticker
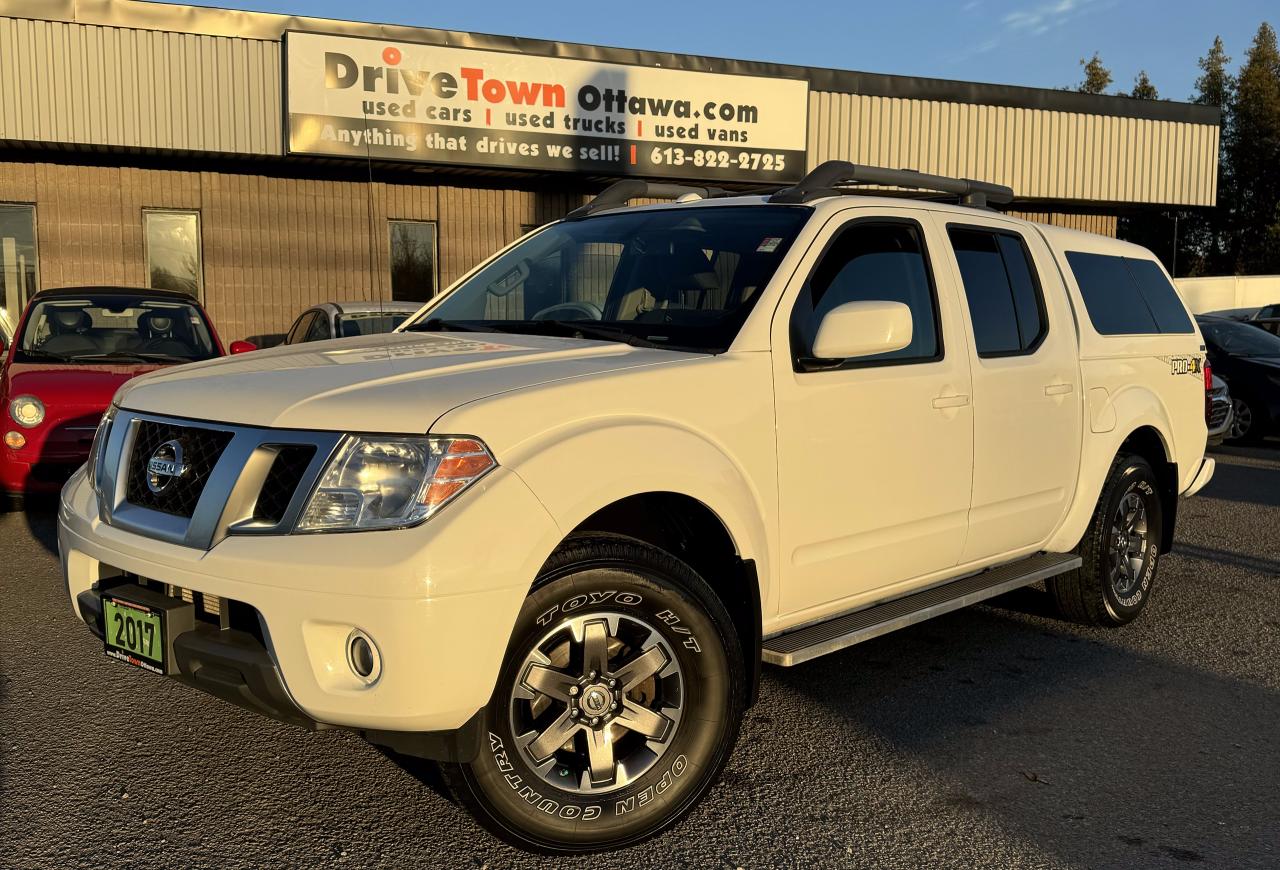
column 769, row 245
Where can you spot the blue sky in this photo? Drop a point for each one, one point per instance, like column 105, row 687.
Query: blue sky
column 1024, row 42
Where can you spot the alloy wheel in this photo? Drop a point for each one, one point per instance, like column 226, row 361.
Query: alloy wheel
column 597, row 702
column 1242, row 421
column 1129, row 534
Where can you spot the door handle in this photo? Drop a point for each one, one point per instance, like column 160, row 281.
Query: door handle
column 950, row 401
column 1058, row 389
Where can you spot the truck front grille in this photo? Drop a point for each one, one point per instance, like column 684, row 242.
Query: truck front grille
column 282, row 482
column 177, row 495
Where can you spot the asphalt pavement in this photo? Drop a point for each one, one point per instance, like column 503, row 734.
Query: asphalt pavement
column 992, row 737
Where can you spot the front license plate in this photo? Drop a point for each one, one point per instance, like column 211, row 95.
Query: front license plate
column 134, row 633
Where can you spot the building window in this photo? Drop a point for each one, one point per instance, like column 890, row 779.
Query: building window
column 18, row 274
column 173, row 251
column 413, row 260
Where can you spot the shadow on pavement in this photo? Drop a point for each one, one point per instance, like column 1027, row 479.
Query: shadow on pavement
column 1095, row 753
column 1227, row 557
column 42, row 522
column 1253, row 484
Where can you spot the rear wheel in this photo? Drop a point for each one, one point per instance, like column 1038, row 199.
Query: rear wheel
column 1120, row 551
column 1244, row 423
column 616, row 707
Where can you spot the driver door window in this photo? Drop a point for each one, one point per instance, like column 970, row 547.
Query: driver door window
column 299, row 328
column 319, row 329
column 872, row 262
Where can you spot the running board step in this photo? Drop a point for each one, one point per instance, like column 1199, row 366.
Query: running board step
column 807, row 643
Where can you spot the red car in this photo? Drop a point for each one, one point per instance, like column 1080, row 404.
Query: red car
column 72, row 348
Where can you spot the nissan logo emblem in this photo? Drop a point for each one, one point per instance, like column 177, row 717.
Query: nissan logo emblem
column 165, row 466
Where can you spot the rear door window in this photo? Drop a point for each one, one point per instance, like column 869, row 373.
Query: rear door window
column 1128, row 296
column 1004, row 297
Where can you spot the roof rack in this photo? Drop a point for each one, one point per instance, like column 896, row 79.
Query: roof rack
column 825, row 179
column 622, row 192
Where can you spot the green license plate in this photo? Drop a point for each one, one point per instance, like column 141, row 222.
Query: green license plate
column 134, row 633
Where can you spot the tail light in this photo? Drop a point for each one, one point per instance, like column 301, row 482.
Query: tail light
column 1208, row 392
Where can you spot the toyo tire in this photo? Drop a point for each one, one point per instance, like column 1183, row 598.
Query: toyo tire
column 1120, row 551
column 617, row 705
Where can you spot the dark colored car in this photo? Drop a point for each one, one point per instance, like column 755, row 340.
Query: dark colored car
column 72, row 348
column 345, row 319
column 1267, row 317
column 1248, row 359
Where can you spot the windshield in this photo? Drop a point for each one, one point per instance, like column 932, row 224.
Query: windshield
column 1240, row 339
column 369, row 323
column 679, row 278
column 111, row 328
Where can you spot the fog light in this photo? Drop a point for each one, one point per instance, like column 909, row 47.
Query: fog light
column 16, row 440
column 362, row 656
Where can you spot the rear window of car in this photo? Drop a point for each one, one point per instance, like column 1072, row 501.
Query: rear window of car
column 1128, row 296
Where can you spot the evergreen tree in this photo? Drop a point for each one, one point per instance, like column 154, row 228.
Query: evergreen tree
column 1097, row 78
column 1203, row 248
column 1143, row 89
column 1253, row 153
column 1215, row 86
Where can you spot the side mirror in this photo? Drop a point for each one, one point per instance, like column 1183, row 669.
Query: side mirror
column 242, row 346
column 862, row 329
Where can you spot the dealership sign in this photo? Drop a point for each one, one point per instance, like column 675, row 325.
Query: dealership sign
column 358, row 97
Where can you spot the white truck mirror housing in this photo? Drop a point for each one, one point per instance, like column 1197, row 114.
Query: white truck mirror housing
column 856, row 329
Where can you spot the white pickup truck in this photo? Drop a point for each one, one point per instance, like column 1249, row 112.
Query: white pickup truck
column 547, row 531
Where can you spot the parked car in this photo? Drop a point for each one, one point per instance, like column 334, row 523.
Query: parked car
column 72, row 350
column 548, row 531
column 347, row 319
column 1249, row 360
column 1267, row 317
column 1219, row 413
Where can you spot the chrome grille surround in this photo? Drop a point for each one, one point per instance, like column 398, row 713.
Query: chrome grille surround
column 227, row 503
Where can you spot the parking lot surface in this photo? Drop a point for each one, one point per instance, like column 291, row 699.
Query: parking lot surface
column 992, row 737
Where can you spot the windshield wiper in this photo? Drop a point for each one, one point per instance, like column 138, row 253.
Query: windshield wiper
column 45, row 354
column 136, row 356
column 582, row 329
column 438, row 324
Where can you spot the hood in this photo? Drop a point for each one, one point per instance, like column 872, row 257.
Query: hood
column 71, row 387
column 399, row 382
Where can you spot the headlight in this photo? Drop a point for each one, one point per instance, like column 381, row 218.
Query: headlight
column 99, row 444
column 385, row 483
column 27, row 411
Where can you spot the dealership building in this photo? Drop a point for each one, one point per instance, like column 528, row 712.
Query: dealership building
column 268, row 162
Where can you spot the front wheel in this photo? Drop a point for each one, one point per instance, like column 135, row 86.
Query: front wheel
column 617, row 704
column 1120, row 550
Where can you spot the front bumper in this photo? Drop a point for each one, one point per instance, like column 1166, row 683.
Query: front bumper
column 438, row 601
column 235, row 665
column 42, row 477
